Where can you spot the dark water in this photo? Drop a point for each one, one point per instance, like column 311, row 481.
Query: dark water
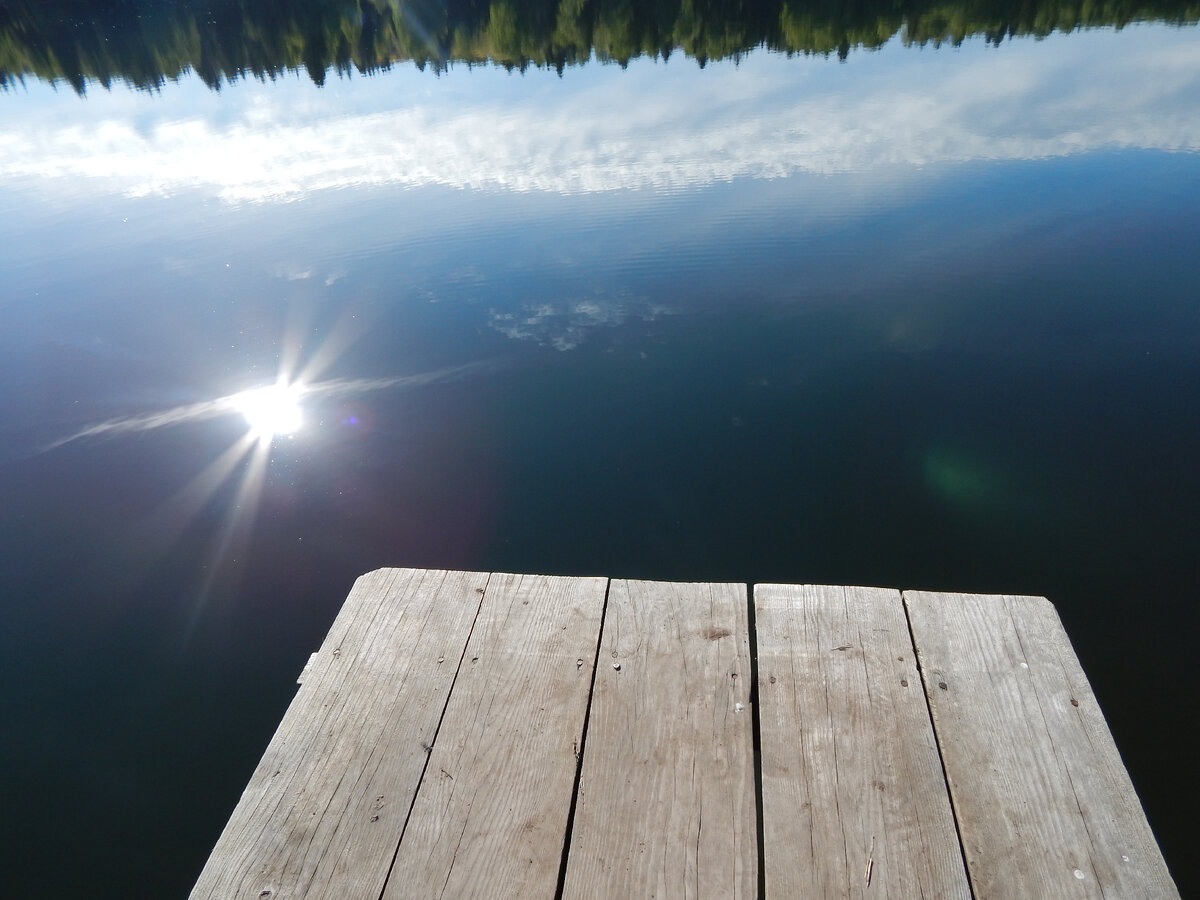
column 922, row 318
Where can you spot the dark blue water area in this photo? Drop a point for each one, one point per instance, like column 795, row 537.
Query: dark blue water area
column 975, row 377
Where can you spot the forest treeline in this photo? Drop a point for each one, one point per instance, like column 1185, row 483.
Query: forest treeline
column 148, row 42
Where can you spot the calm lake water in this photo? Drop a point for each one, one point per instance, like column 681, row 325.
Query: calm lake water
column 924, row 316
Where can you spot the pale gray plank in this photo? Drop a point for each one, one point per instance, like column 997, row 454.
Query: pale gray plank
column 324, row 810
column 854, row 801
column 312, row 660
column 491, row 816
column 666, row 801
column 1044, row 804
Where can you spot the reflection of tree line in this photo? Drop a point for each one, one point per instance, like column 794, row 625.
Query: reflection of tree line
column 145, row 42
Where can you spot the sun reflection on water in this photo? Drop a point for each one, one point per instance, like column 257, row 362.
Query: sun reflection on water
column 272, row 411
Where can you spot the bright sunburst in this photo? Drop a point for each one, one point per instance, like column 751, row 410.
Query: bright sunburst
column 271, row 411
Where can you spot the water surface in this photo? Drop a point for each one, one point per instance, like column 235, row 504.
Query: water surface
column 925, row 317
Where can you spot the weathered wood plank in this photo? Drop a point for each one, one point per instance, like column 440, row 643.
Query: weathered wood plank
column 854, row 800
column 666, row 802
column 325, row 808
column 1044, row 804
column 490, row 818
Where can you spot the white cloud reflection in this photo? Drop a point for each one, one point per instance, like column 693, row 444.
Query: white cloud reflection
column 564, row 324
column 663, row 126
column 234, row 404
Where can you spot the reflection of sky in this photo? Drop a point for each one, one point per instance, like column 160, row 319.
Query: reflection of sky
column 937, row 366
column 599, row 128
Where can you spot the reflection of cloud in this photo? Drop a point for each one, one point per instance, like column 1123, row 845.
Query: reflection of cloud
column 655, row 125
column 192, row 412
column 564, row 325
column 209, row 409
column 292, row 271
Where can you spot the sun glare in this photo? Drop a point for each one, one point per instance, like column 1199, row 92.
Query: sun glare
column 271, row 411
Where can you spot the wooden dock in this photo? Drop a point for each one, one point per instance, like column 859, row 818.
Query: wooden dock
column 512, row 736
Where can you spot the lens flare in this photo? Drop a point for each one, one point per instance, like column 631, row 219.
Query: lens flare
column 271, row 411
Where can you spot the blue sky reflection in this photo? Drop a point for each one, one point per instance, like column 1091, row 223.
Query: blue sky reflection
column 603, row 128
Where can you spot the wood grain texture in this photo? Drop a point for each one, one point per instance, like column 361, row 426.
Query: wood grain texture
column 491, row 816
column 854, row 800
column 1044, row 804
column 666, row 803
column 432, row 749
column 324, row 810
